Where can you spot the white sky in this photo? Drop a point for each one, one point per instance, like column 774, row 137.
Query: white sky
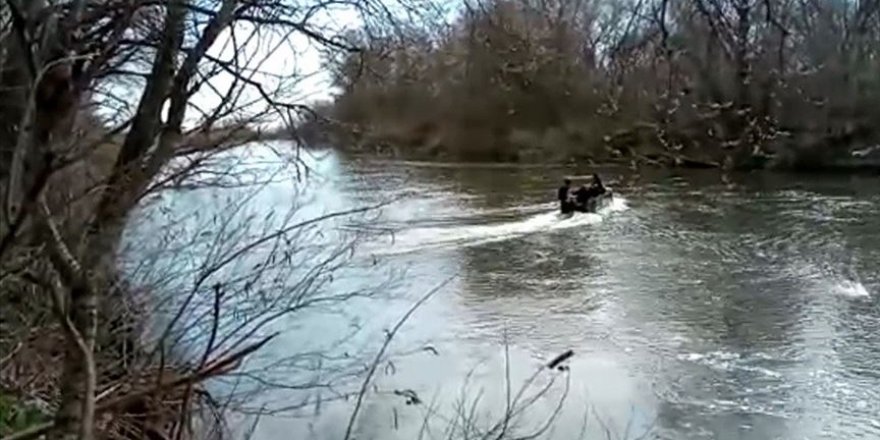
column 288, row 65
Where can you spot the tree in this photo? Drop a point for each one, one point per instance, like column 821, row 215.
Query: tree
column 706, row 83
column 81, row 162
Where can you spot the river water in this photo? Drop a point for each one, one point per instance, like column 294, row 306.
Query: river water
column 697, row 306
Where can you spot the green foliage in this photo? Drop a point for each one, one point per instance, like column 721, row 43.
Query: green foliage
column 16, row 416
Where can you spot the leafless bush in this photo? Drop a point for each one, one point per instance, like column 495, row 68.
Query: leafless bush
column 102, row 119
column 708, row 83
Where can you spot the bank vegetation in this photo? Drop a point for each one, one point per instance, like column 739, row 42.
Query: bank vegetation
column 106, row 108
column 144, row 275
column 740, row 84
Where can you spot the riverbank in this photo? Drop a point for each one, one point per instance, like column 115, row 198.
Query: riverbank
column 625, row 148
column 130, row 373
column 130, row 393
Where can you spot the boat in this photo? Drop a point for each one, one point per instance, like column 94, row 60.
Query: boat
column 593, row 205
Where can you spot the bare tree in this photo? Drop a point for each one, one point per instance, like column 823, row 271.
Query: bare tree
column 704, row 83
column 72, row 183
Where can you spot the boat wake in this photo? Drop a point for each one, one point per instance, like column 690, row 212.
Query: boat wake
column 828, row 277
column 850, row 289
column 433, row 238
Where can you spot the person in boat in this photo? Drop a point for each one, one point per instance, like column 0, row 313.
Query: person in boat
column 596, row 187
column 582, row 198
column 565, row 204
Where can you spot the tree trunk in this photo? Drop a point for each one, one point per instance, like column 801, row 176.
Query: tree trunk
column 743, row 11
column 101, row 238
column 742, row 129
column 16, row 82
column 105, row 227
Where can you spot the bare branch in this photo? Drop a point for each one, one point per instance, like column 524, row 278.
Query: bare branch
column 381, row 353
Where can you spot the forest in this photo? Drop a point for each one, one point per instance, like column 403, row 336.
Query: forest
column 737, row 84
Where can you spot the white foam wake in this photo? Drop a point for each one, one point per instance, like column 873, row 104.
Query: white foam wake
column 418, row 239
column 850, row 289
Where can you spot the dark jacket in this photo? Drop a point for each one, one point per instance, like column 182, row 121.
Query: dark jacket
column 582, row 194
column 562, row 194
column 597, row 188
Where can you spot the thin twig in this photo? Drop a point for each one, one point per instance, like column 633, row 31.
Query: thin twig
column 378, row 358
column 73, row 277
column 506, row 386
column 219, row 367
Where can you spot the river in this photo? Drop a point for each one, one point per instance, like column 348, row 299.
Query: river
column 696, row 306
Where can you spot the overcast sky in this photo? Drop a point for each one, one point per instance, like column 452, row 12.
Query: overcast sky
column 290, row 65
